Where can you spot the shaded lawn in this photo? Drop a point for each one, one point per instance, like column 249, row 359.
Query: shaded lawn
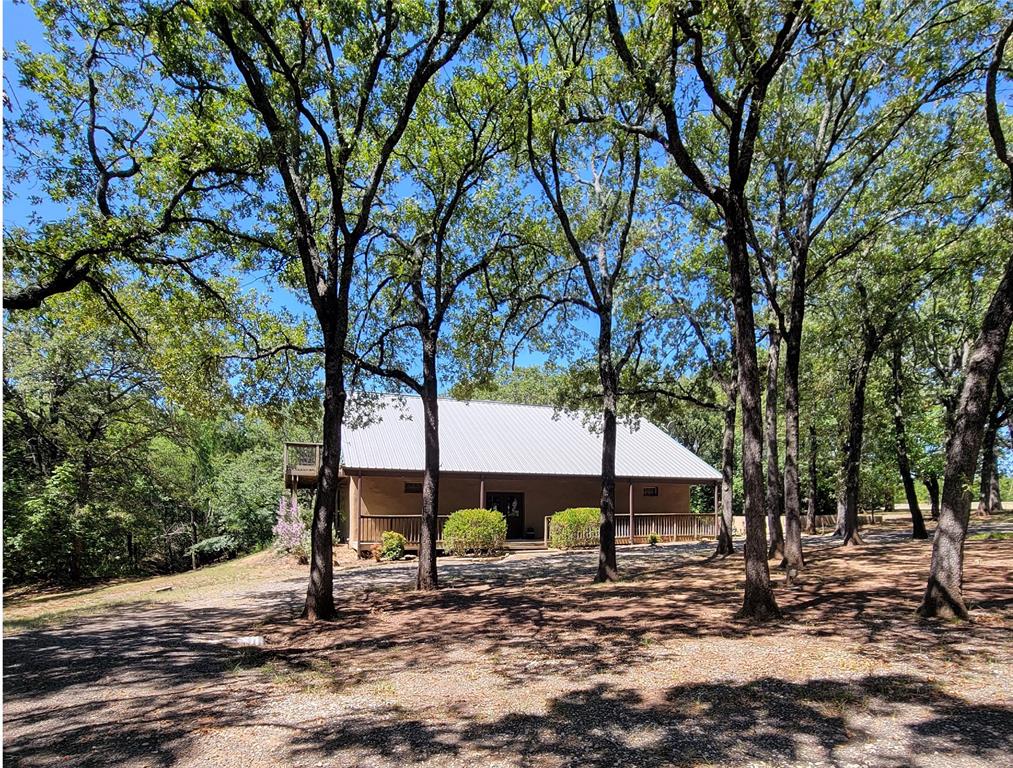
column 33, row 608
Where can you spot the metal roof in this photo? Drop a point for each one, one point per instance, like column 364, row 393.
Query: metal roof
column 478, row 436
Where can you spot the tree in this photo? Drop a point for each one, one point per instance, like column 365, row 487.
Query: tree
column 900, row 437
column 774, row 499
column 325, row 94
column 836, row 111
column 132, row 178
column 735, row 79
column 944, row 590
column 989, row 497
column 591, row 176
column 434, row 249
column 112, row 467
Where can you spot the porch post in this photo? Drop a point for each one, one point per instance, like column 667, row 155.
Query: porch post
column 481, row 493
column 631, row 511
column 717, row 509
column 354, row 509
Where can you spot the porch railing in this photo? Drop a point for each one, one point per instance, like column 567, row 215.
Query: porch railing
column 302, row 459
column 669, row 526
column 372, row 527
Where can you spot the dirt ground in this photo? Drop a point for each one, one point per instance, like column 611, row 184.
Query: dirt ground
column 522, row 662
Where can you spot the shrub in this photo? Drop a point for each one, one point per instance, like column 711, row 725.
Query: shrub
column 475, row 532
column 574, row 528
column 391, row 547
column 213, row 549
column 290, row 533
column 653, row 539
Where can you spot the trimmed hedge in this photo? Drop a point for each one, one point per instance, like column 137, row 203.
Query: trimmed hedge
column 475, row 532
column 392, row 546
column 574, row 528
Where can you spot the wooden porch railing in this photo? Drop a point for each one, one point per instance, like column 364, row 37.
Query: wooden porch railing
column 301, row 459
column 669, row 526
column 372, row 527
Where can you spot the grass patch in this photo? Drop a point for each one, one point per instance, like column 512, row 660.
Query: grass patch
column 992, row 536
column 25, row 610
column 49, row 619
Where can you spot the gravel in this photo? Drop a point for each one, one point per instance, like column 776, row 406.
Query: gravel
column 522, row 662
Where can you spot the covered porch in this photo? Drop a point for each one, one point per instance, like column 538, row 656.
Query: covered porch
column 375, row 501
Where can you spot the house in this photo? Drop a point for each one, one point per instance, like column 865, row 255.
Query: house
column 527, row 461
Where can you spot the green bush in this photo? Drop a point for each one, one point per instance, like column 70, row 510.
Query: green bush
column 392, row 546
column 475, row 532
column 653, row 539
column 574, row 528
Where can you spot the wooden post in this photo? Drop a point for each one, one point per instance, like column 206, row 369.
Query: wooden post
column 631, row 512
column 481, row 493
column 354, row 490
column 717, row 509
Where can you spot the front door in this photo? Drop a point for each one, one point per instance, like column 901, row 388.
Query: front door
column 511, row 506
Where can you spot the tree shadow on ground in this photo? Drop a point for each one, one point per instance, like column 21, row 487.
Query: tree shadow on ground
column 769, row 721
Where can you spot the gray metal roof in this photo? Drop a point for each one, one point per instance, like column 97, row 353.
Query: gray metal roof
column 506, row 438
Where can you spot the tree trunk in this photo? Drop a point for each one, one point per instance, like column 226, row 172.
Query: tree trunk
column 193, row 536
column 426, row 578
column 320, row 591
column 607, row 568
column 775, row 483
column 853, row 447
column 931, row 483
column 994, row 491
column 811, row 509
column 900, row 437
column 841, row 503
column 794, row 559
column 944, row 591
column 758, row 601
column 168, row 548
column 74, row 571
column 725, row 542
column 989, row 486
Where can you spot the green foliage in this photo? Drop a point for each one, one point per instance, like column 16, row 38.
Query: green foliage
column 214, row 548
column 475, row 532
column 245, row 491
column 574, row 528
column 653, row 539
column 105, row 474
column 391, row 547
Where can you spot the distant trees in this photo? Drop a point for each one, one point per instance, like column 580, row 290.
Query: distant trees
column 103, row 476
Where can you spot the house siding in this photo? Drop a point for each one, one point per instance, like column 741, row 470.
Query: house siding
column 543, row 496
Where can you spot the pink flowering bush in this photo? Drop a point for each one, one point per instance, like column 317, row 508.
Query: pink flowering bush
column 290, row 534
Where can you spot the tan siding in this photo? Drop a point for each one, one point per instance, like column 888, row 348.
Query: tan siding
column 384, row 495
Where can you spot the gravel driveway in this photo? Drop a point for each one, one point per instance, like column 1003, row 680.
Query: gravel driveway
column 521, row 662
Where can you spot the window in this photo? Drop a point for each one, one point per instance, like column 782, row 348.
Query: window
column 413, row 487
column 651, row 490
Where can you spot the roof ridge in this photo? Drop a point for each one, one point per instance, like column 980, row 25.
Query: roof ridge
column 447, row 398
